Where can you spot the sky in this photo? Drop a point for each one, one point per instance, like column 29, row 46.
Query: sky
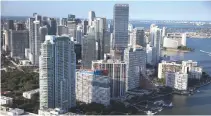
column 151, row 10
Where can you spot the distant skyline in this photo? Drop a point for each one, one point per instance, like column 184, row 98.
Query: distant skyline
column 141, row 10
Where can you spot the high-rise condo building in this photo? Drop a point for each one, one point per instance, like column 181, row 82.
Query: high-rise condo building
column 155, row 34
column 37, row 43
column 43, row 33
column 135, row 59
column 89, row 51
column 57, row 73
column 177, row 80
column 120, row 22
column 91, row 17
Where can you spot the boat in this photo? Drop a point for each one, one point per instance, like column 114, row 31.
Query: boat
column 168, row 105
column 150, row 112
column 171, row 105
column 197, row 91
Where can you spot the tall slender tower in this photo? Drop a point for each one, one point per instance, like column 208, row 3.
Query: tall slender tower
column 91, row 17
column 37, row 43
column 121, row 18
column 100, row 29
column 57, row 73
column 156, row 37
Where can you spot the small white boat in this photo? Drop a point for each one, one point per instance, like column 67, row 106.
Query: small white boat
column 171, row 105
column 197, row 91
column 150, row 113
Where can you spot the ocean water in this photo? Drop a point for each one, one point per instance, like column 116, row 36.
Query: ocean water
column 199, row 103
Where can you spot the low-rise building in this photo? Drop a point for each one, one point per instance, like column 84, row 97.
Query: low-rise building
column 6, row 100
column 177, row 80
column 93, row 86
column 29, row 94
column 193, row 70
column 116, row 72
column 165, row 66
column 189, row 67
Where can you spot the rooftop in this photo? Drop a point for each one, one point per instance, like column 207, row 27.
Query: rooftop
column 32, row 91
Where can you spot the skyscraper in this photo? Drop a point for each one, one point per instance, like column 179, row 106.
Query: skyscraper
column 6, row 40
column 62, row 29
column 37, row 43
column 19, row 41
column 91, row 17
column 20, row 26
column 57, row 73
column 71, row 17
column 139, row 36
column 43, row 32
column 100, row 28
column 10, row 24
column 135, row 59
column 89, row 52
column 85, row 26
column 121, row 18
column 64, row 21
column 53, row 26
column 79, row 33
column 155, row 34
column 72, row 28
column 31, row 38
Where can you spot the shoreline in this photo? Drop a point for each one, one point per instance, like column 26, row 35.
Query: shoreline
column 176, row 50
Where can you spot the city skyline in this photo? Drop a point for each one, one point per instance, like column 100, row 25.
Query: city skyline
column 139, row 10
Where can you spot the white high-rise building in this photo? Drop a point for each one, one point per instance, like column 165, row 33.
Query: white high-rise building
column 179, row 37
column 37, row 43
column 79, row 33
column 155, row 34
column 91, row 17
column 117, row 72
column 149, row 54
column 135, row 59
column 120, row 20
column 177, row 80
column 57, row 64
column 93, row 86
